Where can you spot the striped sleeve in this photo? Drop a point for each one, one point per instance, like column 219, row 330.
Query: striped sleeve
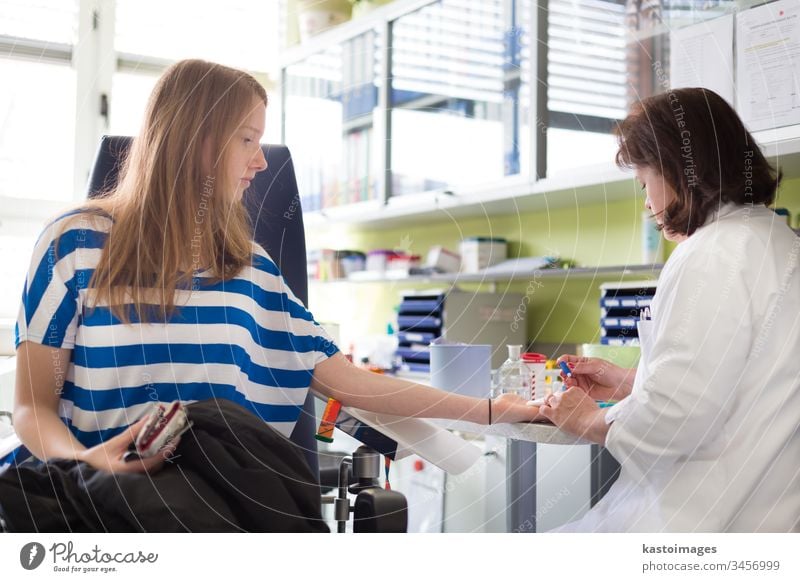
column 49, row 310
column 325, row 344
column 298, row 319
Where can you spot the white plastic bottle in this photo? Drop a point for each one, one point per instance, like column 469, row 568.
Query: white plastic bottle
column 514, row 376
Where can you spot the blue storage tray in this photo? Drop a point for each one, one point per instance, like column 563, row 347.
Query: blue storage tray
column 420, row 306
column 612, row 302
column 619, row 322
column 418, row 322
column 411, row 354
column 416, row 337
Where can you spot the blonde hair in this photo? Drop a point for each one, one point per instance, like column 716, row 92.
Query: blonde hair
column 167, row 214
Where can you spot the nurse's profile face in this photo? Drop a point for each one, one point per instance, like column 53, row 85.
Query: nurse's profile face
column 658, row 195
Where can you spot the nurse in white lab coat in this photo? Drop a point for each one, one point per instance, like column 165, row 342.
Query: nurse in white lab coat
column 707, row 431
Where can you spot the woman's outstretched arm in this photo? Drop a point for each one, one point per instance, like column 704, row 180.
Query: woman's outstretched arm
column 337, row 378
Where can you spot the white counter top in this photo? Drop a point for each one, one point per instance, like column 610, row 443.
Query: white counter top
column 535, row 432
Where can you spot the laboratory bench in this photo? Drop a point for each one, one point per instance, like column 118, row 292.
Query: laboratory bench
column 551, row 477
column 539, row 475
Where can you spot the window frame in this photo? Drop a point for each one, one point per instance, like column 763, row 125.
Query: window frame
column 94, row 60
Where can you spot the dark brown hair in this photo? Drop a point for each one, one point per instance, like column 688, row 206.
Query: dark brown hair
column 696, row 141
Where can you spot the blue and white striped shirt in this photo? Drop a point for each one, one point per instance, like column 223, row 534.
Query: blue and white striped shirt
column 248, row 339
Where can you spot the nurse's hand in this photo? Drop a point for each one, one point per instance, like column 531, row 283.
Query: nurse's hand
column 599, row 378
column 575, row 412
column 107, row 456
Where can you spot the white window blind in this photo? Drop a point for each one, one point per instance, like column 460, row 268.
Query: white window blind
column 586, row 58
column 453, row 48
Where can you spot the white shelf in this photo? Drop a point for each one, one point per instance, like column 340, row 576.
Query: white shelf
column 597, row 184
column 575, row 273
column 514, row 194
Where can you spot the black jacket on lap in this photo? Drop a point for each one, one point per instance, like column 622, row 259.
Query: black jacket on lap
column 231, row 472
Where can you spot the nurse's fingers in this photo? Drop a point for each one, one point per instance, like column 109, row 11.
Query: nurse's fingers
column 589, row 367
column 572, row 359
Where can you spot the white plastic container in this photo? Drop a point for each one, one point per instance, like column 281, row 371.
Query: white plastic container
column 536, row 364
column 478, row 252
column 443, row 260
column 401, row 264
column 378, row 260
column 462, row 368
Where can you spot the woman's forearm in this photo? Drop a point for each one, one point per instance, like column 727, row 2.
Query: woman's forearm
column 45, row 434
column 359, row 388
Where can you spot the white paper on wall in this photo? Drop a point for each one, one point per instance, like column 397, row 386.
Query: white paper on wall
column 701, row 55
column 768, row 65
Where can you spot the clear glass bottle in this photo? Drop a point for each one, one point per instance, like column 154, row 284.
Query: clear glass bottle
column 513, row 377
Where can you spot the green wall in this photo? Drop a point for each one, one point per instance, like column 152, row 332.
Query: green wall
column 562, row 309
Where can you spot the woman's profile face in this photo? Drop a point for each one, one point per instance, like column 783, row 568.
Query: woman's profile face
column 245, row 157
column 658, row 195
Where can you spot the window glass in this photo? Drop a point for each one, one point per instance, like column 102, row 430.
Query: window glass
column 17, row 238
column 51, row 20
column 452, row 118
column 37, row 130
column 238, row 33
column 129, row 94
column 587, row 80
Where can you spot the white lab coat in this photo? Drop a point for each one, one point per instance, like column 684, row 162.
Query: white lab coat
column 709, row 439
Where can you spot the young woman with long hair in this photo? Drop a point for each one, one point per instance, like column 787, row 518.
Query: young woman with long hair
column 156, row 292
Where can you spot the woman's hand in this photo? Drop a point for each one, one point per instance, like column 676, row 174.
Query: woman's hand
column 599, row 378
column 513, row 408
column 108, row 455
column 575, row 412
